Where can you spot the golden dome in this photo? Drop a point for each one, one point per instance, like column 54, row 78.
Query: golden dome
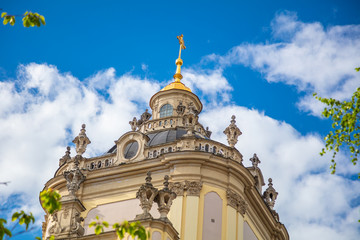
column 176, row 85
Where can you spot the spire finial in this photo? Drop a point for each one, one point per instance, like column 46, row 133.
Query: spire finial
column 179, row 61
column 81, row 141
column 232, row 132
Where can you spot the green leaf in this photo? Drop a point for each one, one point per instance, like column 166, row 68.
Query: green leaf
column 52, row 237
column 98, row 229
column 42, row 19
column 6, row 20
column 106, row 224
column 12, row 20
column 50, row 199
column 3, row 14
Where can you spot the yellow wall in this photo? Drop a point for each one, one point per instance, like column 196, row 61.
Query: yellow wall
column 231, row 223
column 175, row 214
column 191, row 218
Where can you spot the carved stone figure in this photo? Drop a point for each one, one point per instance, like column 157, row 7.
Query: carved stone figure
column 74, row 178
column 192, row 109
column 180, row 109
column 232, row 132
column 66, row 157
column 208, row 132
column 270, row 195
column 81, row 141
column 255, row 161
column 146, row 194
column 164, row 199
column 75, row 226
column 133, row 124
column 145, row 116
column 54, row 224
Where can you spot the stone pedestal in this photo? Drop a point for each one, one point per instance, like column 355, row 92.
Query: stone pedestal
column 66, row 223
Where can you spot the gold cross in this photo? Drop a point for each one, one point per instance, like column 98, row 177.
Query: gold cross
column 182, row 44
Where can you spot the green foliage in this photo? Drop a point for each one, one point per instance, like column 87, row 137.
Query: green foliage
column 3, row 230
column 99, row 226
column 357, row 69
column 8, row 19
column 134, row 229
column 50, row 200
column 23, row 218
column 33, row 19
column 346, row 126
column 30, row 19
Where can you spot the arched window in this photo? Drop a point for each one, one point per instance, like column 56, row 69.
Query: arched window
column 170, row 149
column 166, row 110
column 214, row 149
column 206, row 148
column 155, row 153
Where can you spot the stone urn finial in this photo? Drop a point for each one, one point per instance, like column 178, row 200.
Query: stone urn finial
column 255, row 161
column 81, row 141
column 232, row 132
column 164, row 199
column 270, row 195
column 66, row 157
column 146, row 194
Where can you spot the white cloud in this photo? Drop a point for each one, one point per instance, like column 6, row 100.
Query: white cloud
column 307, row 55
column 37, row 114
column 210, row 85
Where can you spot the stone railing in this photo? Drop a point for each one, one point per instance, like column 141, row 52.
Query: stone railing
column 201, row 145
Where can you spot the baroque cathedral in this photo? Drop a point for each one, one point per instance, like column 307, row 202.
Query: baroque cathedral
column 168, row 174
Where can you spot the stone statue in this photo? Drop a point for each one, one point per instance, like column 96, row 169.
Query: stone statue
column 133, row 124
column 180, row 109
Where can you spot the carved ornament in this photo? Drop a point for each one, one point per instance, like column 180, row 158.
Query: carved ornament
column 193, row 188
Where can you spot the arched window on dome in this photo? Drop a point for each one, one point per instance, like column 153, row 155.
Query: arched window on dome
column 166, row 110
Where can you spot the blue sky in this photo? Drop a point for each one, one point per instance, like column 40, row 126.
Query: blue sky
column 100, row 62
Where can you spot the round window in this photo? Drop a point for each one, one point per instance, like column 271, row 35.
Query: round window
column 131, row 149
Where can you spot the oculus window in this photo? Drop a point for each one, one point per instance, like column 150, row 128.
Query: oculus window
column 131, row 149
column 166, row 110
